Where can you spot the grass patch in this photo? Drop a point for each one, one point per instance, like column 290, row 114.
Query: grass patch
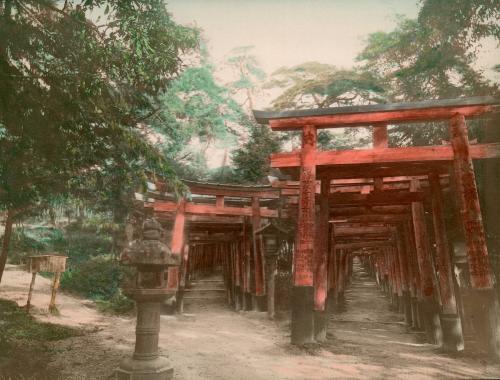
column 24, row 343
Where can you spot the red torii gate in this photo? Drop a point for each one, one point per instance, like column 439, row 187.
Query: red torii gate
column 309, row 164
column 206, row 205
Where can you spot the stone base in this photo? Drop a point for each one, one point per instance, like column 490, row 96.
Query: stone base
column 429, row 311
column 169, row 306
column 320, row 325
column 156, row 369
column 238, row 299
column 331, row 302
column 453, row 340
column 302, row 315
column 407, row 308
column 261, row 303
column 479, row 309
column 415, row 315
column 401, row 305
column 247, row 301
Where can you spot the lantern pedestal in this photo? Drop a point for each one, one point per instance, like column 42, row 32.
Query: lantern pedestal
column 151, row 257
column 155, row 369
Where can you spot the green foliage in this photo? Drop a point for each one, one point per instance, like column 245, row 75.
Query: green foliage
column 249, row 75
column 79, row 243
column 251, row 160
column 74, row 92
column 194, row 107
column 99, row 279
column 28, row 241
column 19, row 325
column 433, row 57
column 317, row 85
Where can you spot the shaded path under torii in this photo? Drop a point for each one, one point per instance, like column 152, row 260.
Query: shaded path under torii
column 376, row 339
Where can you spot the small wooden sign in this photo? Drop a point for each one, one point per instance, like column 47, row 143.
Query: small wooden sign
column 46, row 263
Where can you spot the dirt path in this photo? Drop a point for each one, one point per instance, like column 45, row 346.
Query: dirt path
column 222, row 344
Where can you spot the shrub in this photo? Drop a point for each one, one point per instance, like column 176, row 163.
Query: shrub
column 99, row 279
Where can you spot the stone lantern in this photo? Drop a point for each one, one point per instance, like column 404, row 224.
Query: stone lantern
column 271, row 235
column 151, row 257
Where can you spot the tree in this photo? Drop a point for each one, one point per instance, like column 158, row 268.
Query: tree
column 193, row 113
column 74, row 89
column 248, row 72
column 433, row 57
column 251, row 160
column 319, row 85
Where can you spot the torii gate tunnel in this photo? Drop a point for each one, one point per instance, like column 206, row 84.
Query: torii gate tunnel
column 377, row 204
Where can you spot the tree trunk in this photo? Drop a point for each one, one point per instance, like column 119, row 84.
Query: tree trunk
column 6, row 241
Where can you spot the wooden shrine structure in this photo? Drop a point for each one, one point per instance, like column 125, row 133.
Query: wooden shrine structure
column 384, row 205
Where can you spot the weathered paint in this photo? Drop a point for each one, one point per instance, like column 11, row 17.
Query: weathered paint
column 470, row 210
column 257, row 249
column 177, row 243
column 422, row 245
column 321, row 249
column 303, row 258
column 443, row 260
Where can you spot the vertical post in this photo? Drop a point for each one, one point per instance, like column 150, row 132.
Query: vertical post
column 182, row 281
column 482, row 293
column 414, row 273
column 303, row 290
column 237, row 276
column 380, row 140
column 32, row 284
column 260, row 299
column 398, row 279
column 55, row 286
column 247, row 296
column 450, row 322
column 405, row 277
column 332, row 272
column 341, row 257
column 428, row 304
column 177, row 245
column 271, row 266
column 320, row 263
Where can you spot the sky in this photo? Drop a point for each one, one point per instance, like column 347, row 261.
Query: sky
column 289, row 32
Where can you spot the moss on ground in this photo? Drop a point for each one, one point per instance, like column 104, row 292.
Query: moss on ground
column 25, row 349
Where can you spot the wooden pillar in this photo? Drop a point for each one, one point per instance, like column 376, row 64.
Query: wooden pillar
column 237, row 276
column 303, row 291
column 247, row 296
column 260, row 298
column 403, row 259
column 177, row 245
column 332, row 271
column 398, row 280
column 182, row 280
column 428, row 304
column 320, row 263
column 482, row 294
column 380, row 140
column 450, row 322
column 341, row 257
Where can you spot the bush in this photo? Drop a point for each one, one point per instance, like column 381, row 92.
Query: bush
column 83, row 245
column 99, row 279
